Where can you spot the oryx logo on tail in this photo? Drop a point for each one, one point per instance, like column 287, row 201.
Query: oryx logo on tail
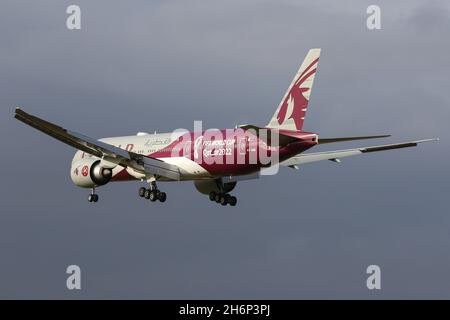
column 291, row 112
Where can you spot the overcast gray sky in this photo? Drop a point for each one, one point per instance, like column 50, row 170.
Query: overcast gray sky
column 160, row 65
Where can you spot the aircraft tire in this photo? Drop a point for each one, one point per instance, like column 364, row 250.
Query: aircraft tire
column 162, row 197
column 223, row 200
column 153, row 196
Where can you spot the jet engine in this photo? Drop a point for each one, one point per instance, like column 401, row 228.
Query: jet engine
column 89, row 173
column 206, row 186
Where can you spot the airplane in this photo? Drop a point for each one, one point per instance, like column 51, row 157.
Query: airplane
column 215, row 160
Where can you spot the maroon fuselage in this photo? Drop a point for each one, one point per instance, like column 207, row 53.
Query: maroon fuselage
column 234, row 152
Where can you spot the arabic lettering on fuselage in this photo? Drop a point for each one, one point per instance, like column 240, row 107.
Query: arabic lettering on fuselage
column 157, row 142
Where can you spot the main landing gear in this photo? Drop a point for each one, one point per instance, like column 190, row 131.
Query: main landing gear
column 223, row 198
column 153, row 193
column 93, row 197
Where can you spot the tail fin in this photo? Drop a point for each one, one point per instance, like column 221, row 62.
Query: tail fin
column 291, row 112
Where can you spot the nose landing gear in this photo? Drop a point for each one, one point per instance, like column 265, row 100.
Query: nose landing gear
column 93, row 197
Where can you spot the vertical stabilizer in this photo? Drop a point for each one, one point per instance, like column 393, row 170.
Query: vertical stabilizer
column 290, row 114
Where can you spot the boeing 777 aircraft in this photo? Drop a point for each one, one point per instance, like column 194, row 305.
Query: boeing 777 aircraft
column 214, row 159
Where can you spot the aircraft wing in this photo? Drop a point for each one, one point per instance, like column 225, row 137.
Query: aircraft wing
column 108, row 152
column 336, row 155
column 333, row 140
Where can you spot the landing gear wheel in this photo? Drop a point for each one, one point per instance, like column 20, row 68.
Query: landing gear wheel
column 153, row 193
column 232, row 201
column 153, row 196
column 93, row 197
column 223, row 199
column 142, row 192
column 162, row 196
column 217, row 197
column 212, row 196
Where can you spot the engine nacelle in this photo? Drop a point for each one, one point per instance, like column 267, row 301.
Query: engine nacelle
column 88, row 173
column 206, row 186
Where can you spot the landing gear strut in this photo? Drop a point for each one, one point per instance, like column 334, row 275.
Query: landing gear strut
column 93, row 197
column 223, row 198
column 153, row 193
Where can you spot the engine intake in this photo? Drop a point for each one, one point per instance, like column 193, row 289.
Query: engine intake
column 89, row 173
column 100, row 175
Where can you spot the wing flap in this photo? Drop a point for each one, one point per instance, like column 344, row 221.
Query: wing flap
column 161, row 168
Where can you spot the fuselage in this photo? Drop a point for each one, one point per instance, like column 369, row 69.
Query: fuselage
column 205, row 155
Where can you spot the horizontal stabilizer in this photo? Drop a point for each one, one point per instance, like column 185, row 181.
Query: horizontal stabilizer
column 266, row 134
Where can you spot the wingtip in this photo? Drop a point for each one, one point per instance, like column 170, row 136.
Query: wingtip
column 19, row 113
column 428, row 140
